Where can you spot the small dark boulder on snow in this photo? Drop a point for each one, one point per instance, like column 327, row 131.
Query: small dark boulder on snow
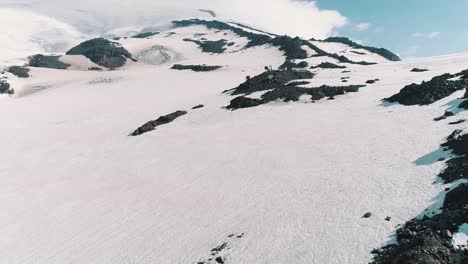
column 94, row 69
column 196, row 68
column 463, row 105
column 429, row 92
column 372, row 81
column 219, row 260
column 419, row 70
column 367, row 215
column 44, row 61
column 388, row 218
column 4, row 86
column 243, row 102
column 102, row 52
column 198, row 106
column 151, row 125
column 457, row 122
column 18, row 71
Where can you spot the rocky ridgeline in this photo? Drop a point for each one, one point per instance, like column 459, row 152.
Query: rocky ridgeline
column 381, row 51
column 285, row 86
column 102, row 52
column 429, row 92
column 292, row 47
column 464, row 104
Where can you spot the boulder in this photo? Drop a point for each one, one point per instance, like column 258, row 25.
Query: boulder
column 43, row 61
column 18, row 71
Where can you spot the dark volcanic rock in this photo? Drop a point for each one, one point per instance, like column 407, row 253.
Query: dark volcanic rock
column 102, row 52
column 428, row 240
column 197, row 68
column 372, row 81
column 243, row 102
column 210, row 46
column 367, row 215
column 419, row 70
column 429, row 92
column 151, row 125
column 464, row 104
column 328, row 65
column 43, row 61
column 198, row 106
column 19, row 71
column 145, row 35
column 381, row 51
column 4, row 86
column 289, row 65
column 94, row 69
column 457, row 122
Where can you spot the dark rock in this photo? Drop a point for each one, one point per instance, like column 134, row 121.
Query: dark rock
column 381, row 51
column 94, row 69
column 429, row 92
column 328, row 65
column 367, row 215
column 243, row 102
column 210, row 46
column 419, row 70
column 372, row 81
column 43, row 61
column 388, row 218
column 145, row 35
column 219, row 248
column 240, row 235
column 151, row 125
column 448, row 113
column 219, row 260
column 198, row 106
column 4, row 86
column 102, row 52
column 464, row 104
column 291, row 65
column 457, row 198
column 357, row 52
column 197, row 68
column 457, row 122
column 19, row 71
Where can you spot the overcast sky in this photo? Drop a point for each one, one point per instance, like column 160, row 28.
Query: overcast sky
column 411, row 28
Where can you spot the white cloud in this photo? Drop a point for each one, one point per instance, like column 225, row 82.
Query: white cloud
column 362, row 26
column 292, row 17
column 430, row 35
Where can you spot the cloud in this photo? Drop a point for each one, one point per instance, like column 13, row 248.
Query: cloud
column 430, row 35
column 362, row 26
column 292, row 17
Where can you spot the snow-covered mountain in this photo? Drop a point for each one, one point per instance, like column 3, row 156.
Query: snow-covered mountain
column 205, row 140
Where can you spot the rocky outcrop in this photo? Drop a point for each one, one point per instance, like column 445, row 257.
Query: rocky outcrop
column 419, row 70
column 208, row 46
column 102, row 52
column 429, row 239
column 18, row 71
column 151, row 125
column 145, row 35
column 429, row 92
column 4, row 86
column 197, row 68
column 328, row 65
column 44, row 61
column 283, row 85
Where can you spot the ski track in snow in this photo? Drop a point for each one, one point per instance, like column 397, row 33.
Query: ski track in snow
column 294, row 177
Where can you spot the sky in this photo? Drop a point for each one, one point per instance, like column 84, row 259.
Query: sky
column 411, row 28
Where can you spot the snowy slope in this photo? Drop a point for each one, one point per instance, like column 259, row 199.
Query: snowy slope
column 293, row 178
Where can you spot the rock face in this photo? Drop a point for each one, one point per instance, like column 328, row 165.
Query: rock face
column 428, row 240
column 18, row 71
column 151, row 125
column 145, row 35
column 243, row 102
column 197, row 68
column 102, row 52
column 43, row 61
column 429, row 92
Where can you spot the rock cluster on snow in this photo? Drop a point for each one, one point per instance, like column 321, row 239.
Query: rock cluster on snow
column 428, row 240
column 4, row 86
column 328, row 65
column 145, row 35
column 428, row 92
column 381, row 51
column 209, row 46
